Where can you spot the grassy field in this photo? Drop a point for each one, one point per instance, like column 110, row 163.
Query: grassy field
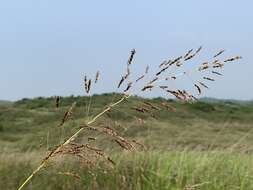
column 205, row 145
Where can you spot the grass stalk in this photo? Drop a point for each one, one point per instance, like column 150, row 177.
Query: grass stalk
column 69, row 140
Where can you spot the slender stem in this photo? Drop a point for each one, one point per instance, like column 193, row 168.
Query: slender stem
column 43, row 163
column 126, row 96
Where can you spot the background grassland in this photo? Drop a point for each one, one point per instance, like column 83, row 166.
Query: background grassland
column 205, row 145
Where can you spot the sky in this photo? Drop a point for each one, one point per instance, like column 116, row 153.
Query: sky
column 46, row 47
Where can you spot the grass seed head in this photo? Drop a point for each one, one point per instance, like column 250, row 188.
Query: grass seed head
column 219, row 53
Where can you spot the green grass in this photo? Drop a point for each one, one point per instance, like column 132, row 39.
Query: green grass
column 208, row 143
column 157, row 170
column 27, row 124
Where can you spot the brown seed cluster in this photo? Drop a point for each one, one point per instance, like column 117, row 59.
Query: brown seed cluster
column 70, row 174
column 130, row 60
column 189, row 56
column 208, row 69
column 68, row 114
column 148, row 87
column 57, row 101
column 233, row 59
column 87, row 84
column 142, row 76
column 97, row 77
column 87, row 152
column 182, row 95
column 128, row 72
column 219, row 53
column 124, row 143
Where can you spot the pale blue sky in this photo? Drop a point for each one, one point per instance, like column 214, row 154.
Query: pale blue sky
column 46, row 46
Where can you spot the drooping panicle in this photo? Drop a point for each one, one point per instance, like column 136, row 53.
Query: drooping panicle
column 147, row 87
column 129, row 63
column 163, row 87
column 57, row 101
column 153, row 80
column 203, row 84
column 68, row 114
column 188, row 53
column 217, row 73
column 198, row 50
column 85, row 83
column 121, row 81
column 219, row 53
column 147, row 69
column 141, row 77
column 162, row 64
column 130, row 60
column 88, row 85
column 208, row 78
column 97, row 77
column 193, row 55
column 161, row 71
column 233, row 59
column 198, row 88
column 129, row 85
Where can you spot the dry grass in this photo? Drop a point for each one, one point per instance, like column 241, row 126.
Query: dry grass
column 88, row 153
